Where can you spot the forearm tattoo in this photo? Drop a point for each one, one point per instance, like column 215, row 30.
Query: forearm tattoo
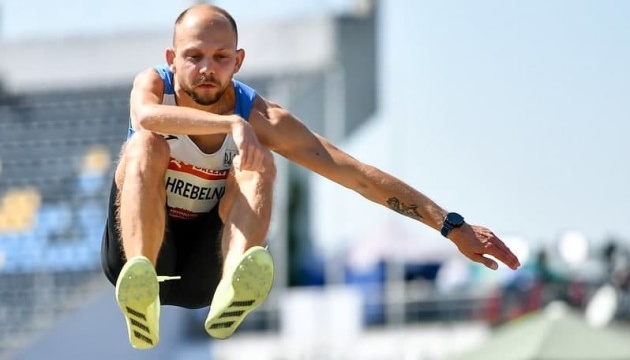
column 407, row 210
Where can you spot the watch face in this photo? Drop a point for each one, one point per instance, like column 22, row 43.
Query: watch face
column 454, row 219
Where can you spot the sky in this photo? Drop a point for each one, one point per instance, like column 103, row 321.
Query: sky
column 515, row 114
column 530, row 102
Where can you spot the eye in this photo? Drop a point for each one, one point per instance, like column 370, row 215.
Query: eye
column 192, row 56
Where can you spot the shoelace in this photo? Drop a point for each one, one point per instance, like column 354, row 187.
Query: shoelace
column 168, row 278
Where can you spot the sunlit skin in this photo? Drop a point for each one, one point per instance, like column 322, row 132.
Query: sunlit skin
column 203, row 59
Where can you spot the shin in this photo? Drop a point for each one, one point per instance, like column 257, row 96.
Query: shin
column 246, row 211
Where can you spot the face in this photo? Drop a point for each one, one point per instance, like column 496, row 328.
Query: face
column 204, row 57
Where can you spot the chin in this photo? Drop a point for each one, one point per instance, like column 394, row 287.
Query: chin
column 205, row 101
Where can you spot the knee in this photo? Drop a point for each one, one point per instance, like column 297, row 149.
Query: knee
column 147, row 152
column 269, row 165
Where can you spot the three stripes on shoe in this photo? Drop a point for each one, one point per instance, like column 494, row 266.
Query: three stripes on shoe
column 138, row 320
column 231, row 313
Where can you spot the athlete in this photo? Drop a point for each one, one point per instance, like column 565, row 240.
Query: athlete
column 192, row 193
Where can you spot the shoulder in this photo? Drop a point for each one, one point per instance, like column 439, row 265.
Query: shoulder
column 148, row 73
column 148, row 79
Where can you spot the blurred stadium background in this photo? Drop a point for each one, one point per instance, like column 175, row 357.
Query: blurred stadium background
column 392, row 297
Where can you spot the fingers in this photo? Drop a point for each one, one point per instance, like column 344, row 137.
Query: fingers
column 249, row 160
column 501, row 252
column 479, row 243
column 489, row 263
column 250, row 152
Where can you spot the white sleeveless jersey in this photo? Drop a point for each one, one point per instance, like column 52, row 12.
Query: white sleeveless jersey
column 195, row 181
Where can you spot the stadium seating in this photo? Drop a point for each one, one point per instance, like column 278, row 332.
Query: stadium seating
column 60, row 145
column 18, row 208
column 56, row 151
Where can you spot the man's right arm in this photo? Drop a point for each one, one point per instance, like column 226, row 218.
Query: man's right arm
column 148, row 112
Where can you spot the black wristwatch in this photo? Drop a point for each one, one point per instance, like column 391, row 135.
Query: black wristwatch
column 452, row 221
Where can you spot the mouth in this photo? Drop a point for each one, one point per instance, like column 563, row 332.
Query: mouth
column 206, row 82
column 207, row 85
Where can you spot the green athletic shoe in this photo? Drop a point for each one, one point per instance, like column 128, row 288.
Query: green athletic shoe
column 137, row 294
column 238, row 295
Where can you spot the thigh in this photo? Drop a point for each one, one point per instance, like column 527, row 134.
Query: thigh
column 112, row 254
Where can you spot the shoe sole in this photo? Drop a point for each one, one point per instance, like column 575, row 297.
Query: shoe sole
column 137, row 289
column 251, row 283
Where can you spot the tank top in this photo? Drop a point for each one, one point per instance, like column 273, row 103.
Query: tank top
column 195, row 181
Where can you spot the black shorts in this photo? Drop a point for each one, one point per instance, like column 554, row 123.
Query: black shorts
column 191, row 249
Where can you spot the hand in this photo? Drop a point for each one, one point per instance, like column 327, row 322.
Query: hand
column 250, row 151
column 476, row 241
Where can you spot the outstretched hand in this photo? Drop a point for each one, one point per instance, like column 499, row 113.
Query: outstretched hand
column 475, row 242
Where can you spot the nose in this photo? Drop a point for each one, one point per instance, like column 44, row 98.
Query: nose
column 206, row 67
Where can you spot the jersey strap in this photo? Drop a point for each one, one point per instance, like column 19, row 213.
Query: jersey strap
column 167, row 78
column 245, row 96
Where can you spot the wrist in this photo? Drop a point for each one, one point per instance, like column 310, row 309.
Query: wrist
column 451, row 221
column 236, row 122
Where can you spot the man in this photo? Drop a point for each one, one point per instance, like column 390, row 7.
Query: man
column 192, row 194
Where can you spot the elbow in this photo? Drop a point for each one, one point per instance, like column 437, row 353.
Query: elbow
column 144, row 117
column 363, row 189
column 365, row 184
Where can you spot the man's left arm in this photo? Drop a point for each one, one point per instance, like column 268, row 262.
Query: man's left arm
column 283, row 133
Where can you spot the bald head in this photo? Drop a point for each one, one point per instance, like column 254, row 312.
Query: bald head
column 204, row 17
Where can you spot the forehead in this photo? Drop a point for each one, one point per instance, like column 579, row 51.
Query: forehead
column 207, row 30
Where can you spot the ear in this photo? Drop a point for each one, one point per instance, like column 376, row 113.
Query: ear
column 170, row 59
column 240, row 56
